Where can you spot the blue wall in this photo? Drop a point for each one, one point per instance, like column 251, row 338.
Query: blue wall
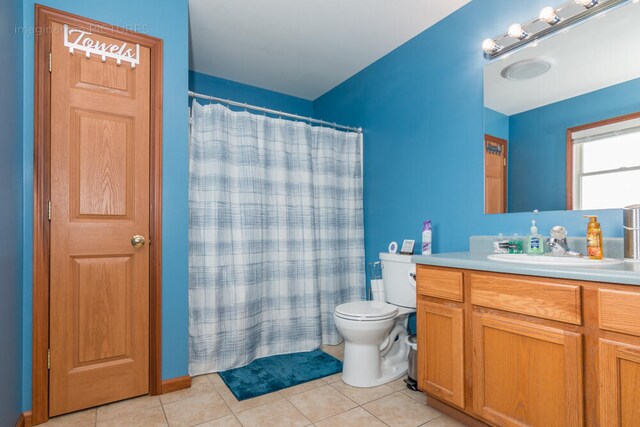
column 496, row 124
column 11, row 212
column 421, row 107
column 168, row 20
column 538, row 137
column 227, row 89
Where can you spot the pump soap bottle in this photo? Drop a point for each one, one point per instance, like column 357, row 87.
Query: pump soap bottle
column 535, row 245
column 594, row 238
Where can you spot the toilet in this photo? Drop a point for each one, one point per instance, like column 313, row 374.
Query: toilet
column 374, row 332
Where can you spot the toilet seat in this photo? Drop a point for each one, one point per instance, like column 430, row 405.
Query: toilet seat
column 367, row 311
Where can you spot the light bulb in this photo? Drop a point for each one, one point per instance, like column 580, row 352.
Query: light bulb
column 490, row 46
column 548, row 15
column 587, row 4
column 517, row 32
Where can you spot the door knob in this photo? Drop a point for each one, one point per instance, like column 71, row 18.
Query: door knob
column 137, row 241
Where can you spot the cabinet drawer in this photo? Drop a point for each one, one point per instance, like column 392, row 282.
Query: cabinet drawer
column 619, row 311
column 536, row 298
column 437, row 283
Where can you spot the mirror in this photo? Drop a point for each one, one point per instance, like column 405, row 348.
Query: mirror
column 562, row 119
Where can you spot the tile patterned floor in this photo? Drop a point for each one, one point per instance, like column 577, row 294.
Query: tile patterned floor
column 327, row 402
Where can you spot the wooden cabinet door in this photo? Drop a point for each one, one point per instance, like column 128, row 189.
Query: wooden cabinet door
column 526, row 374
column 619, row 377
column 441, row 351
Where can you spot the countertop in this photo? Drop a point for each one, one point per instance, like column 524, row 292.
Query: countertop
column 627, row 273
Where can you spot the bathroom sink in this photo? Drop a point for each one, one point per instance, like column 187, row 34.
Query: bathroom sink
column 553, row 260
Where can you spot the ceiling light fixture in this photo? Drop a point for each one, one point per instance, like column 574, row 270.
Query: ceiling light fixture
column 558, row 18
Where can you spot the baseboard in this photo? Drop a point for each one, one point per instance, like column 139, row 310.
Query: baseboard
column 454, row 413
column 168, row 386
column 24, row 420
column 175, row 384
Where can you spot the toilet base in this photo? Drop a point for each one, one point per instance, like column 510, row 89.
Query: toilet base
column 388, row 374
column 364, row 366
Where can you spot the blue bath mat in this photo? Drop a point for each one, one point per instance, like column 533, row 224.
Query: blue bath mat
column 275, row 373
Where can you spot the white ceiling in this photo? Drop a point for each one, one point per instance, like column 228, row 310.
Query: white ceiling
column 303, row 48
column 598, row 53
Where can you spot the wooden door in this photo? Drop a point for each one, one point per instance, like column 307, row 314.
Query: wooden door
column 495, row 175
column 99, row 282
column 441, row 351
column 525, row 374
column 619, row 384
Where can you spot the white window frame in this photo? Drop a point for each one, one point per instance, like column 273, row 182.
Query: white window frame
column 578, row 137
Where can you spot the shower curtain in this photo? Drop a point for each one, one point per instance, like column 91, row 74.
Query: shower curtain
column 275, row 235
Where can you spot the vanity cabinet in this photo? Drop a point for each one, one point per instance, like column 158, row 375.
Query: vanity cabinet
column 619, row 378
column 526, row 374
column 511, row 350
column 440, row 325
column 619, row 357
column 441, row 363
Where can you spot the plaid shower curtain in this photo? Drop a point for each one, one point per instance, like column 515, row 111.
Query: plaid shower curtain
column 275, row 235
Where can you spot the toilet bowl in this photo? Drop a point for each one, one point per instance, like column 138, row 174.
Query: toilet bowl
column 375, row 351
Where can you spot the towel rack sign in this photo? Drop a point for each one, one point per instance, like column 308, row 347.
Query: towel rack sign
column 85, row 41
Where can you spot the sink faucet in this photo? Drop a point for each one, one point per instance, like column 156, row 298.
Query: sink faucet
column 558, row 243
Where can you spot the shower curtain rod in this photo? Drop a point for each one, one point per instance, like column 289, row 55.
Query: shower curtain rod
column 274, row 112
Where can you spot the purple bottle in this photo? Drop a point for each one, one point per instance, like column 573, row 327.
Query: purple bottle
column 426, row 238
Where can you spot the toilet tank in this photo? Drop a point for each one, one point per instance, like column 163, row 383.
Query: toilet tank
column 398, row 276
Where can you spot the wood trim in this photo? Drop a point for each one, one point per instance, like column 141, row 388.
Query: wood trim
column 175, row 384
column 505, row 145
column 569, row 169
column 569, row 148
column 42, row 88
column 24, row 420
column 41, row 172
column 155, row 225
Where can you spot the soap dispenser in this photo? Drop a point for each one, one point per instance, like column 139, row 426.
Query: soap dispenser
column 594, row 238
column 535, row 244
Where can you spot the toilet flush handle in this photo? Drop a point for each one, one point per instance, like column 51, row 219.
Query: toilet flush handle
column 412, row 276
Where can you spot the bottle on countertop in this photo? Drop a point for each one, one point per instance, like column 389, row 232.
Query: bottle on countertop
column 515, row 244
column 501, row 246
column 426, row 238
column 594, row 238
column 535, row 243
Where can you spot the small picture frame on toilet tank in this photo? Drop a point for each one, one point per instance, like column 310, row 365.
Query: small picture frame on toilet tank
column 407, row 247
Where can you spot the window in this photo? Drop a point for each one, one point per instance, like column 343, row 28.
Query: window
column 605, row 163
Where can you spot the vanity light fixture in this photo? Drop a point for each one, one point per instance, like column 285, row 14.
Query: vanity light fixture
column 587, row 4
column 549, row 20
column 490, row 46
column 549, row 15
column 516, row 31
